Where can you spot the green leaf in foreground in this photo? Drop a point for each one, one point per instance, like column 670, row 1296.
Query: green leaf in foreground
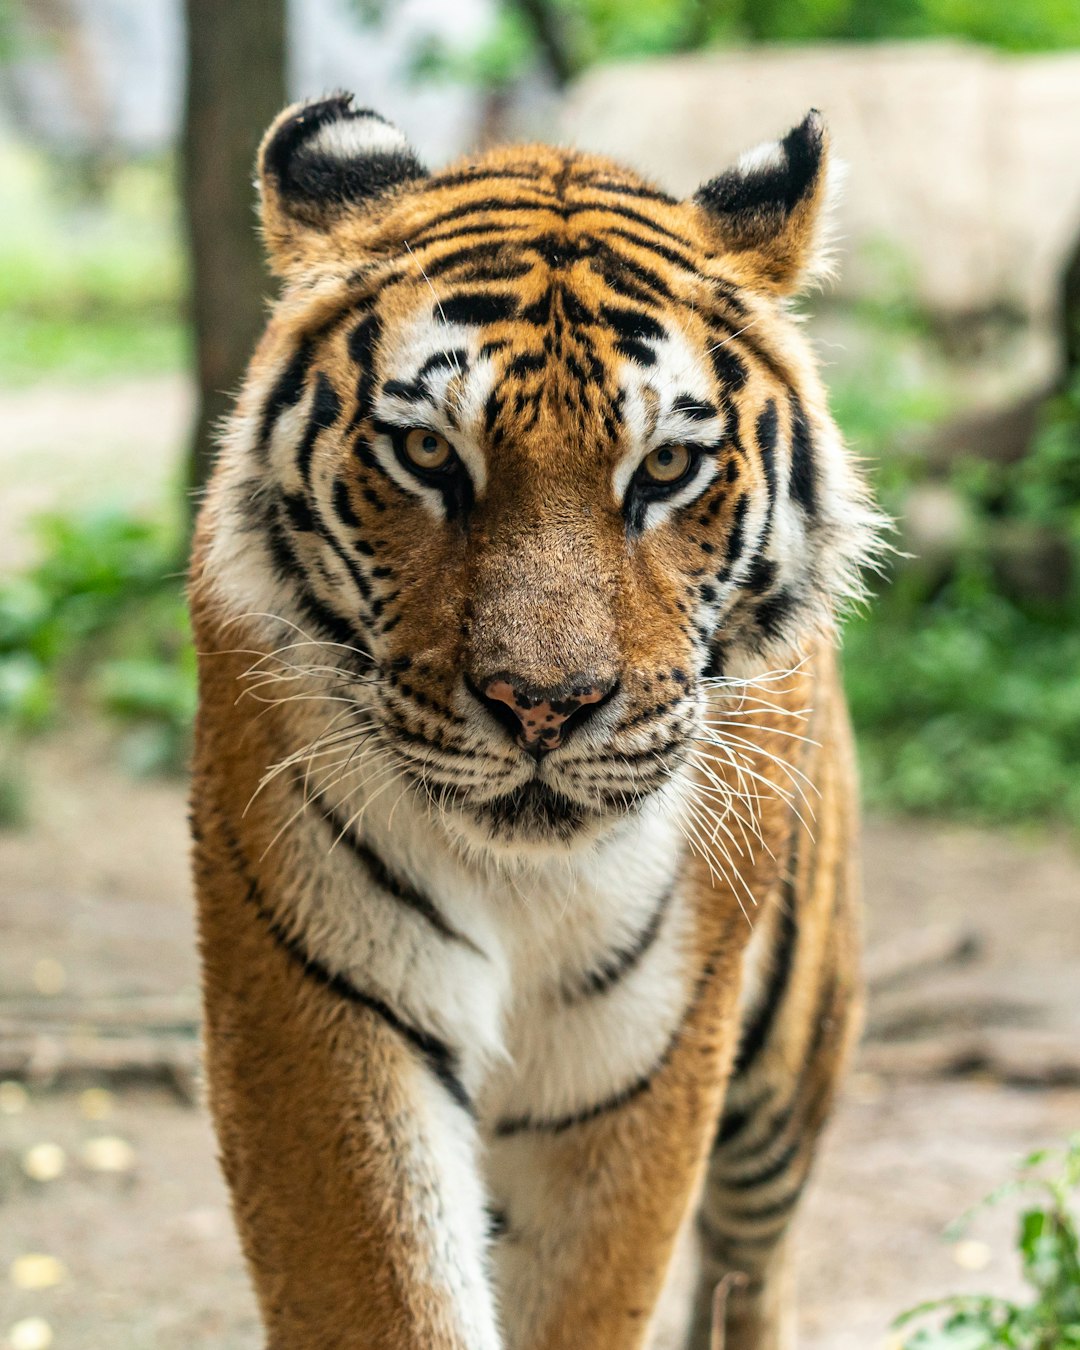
column 1049, row 1252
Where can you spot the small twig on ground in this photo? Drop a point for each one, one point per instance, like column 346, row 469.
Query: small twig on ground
column 1017, row 1057
column 733, row 1280
column 47, row 1058
column 153, row 1013
column 919, row 952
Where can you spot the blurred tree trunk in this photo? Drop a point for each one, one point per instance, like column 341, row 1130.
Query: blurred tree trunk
column 235, row 86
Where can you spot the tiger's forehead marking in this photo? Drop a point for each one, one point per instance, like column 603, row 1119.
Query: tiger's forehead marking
column 553, row 312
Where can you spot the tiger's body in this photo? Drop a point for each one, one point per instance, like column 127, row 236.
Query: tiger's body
column 522, row 973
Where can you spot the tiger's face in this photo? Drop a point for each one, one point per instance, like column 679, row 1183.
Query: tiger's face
column 535, row 452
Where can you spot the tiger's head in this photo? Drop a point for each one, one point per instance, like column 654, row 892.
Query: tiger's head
column 535, row 451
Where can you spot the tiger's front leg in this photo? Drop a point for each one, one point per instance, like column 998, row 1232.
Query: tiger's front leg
column 345, row 1136
column 592, row 1204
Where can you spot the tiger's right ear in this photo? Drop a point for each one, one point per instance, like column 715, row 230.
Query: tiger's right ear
column 320, row 162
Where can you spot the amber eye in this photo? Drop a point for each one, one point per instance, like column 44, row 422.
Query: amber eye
column 427, row 449
column 667, row 463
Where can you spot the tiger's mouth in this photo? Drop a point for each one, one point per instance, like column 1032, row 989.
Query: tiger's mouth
column 534, row 811
column 517, row 799
column 536, row 814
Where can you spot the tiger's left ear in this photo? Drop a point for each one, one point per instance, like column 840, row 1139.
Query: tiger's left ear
column 772, row 207
column 320, row 163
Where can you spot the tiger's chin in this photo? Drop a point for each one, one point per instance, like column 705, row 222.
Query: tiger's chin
column 532, row 820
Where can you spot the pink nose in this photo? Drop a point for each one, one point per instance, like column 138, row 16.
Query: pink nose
column 541, row 716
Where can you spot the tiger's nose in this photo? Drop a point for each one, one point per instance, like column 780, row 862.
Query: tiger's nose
column 540, row 719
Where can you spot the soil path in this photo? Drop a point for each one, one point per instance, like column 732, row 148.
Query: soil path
column 96, row 899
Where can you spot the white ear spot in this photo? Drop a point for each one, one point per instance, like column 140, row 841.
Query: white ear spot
column 767, row 155
column 354, row 137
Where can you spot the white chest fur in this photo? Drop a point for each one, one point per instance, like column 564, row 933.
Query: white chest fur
column 560, row 981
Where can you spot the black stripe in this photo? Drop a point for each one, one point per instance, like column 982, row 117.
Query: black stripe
column 620, row 963
column 288, row 568
column 773, row 612
column 768, row 1172
column 728, row 1246
column 693, row 408
column 735, row 1119
column 737, row 535
column 320, row 527
column 731, row 373
column 386, row 880
column 803, row 483
column 740, row 332
column 678, row 258
column 287, row 391
column 727, row 292
column 757, row 1032
column 479, row 205
column 775, row 1209
column 456, row 360
column 503, row 230
column 362, row 347
column 627, row 276
column 467, row 177
column 559, row 1124
column 325, row 411
column 505, row 1129
column 477, row 307
column 625, row 189
column 628, row 213
column 632, row 325
column 439, row 1057
column 767, row 424
column 342, row 505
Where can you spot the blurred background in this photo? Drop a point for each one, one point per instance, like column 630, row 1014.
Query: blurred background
column 131, row 290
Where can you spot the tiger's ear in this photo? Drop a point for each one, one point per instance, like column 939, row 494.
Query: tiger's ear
column 321, row 161
column 772, row 206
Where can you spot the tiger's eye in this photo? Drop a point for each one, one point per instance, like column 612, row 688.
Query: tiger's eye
column 427, row 449
column 667, row 463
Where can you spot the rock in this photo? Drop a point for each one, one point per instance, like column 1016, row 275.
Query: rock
column 963, row 165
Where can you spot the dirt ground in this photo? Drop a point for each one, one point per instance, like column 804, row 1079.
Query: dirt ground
column 95, row 909
column 96, row 906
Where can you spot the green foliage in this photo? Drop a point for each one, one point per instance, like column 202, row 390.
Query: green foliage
column 586, row 32
column 100, row 616
column 965, row 688
column 1049, row 1250
column 91, row 279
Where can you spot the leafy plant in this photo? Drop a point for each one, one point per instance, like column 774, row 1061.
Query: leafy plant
column 964, row 677
column 100, row 616
column 1049, row 1249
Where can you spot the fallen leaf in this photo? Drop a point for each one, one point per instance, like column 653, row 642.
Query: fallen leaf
column 35, row 1270
column 108, row 1153
column 32, row 1333
column 50, row 977
column 44, row 1161
column 96, row 1103
column 972, row 1254
column 13, row 1097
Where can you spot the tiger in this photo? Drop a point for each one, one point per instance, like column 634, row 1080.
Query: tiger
column 523, row 801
